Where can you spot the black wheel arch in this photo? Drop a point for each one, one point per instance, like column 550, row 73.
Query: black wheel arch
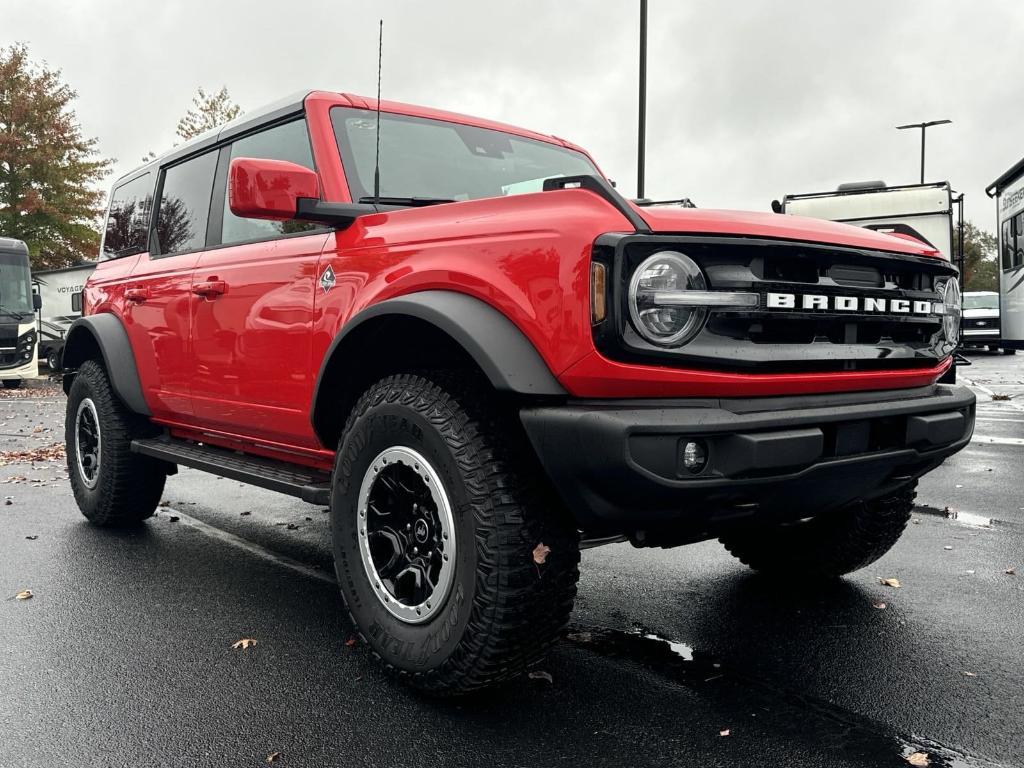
column 104, row 337
column 427, row 329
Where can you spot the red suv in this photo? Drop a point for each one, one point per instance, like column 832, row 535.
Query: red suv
column 459, row 336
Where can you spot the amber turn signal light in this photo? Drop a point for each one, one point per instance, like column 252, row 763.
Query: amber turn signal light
column 598, row 307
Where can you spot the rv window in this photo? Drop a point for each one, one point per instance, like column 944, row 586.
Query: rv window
column 1006, row 236
column 128, row 218
column 1018, row 240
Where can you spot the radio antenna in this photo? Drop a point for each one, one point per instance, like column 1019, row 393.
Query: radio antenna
column 376, row 166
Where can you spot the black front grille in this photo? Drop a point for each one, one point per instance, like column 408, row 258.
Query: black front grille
column 986, row 322
column 767, row 340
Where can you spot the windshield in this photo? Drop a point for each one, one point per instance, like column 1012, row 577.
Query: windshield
column 15, row 283
column 437, row 159
column 981, row 302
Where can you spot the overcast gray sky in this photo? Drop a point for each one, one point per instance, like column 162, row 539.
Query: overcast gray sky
column 747, row 100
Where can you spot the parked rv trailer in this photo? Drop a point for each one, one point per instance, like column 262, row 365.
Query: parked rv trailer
column 922, row 211
column 58, row 288
column 1008, row 190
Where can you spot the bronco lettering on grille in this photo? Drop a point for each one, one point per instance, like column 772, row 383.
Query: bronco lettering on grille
column 869, row 304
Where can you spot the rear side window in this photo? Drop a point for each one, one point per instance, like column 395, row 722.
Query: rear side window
column 290, row 142
column 128, row 218
column 185, row 205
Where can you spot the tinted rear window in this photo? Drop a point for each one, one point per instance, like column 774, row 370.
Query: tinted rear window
column 128, row 218
column 185, row 205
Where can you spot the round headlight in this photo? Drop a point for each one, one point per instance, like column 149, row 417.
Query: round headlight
column 659, row 323
column 951, row 314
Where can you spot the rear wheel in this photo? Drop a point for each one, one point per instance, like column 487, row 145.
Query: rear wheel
column 53, row 359
column 829, row 545
column 1009, row 351
column 112, row 485
column 12, row 383
column 456, row 566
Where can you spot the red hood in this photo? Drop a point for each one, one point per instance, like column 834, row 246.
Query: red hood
column 775, row 225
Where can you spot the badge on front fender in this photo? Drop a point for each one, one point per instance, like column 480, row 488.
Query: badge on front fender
column 327, row 279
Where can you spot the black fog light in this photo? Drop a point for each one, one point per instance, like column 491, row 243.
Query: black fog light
column 694, row 455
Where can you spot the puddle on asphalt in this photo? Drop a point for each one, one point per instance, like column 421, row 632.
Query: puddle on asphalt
column 970, row 519
column 853, row 734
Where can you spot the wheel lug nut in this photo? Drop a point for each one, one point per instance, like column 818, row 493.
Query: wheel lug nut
column 408, row 526
column 415, row 551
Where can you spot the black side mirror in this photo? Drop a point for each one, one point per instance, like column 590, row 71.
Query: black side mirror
column 37, row 302
column 76, row 301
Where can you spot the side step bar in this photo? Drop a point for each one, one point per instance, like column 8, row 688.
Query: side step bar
column 306, row 483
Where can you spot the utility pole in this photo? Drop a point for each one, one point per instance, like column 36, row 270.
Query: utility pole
column 923, row 127
column 642, row 122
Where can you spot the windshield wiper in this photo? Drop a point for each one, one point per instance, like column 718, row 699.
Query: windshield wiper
column 11, row 313
column 408, row 202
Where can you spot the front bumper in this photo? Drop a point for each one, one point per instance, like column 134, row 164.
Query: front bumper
column 617, row 464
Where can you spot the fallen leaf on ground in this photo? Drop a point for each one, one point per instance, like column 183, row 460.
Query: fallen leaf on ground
column 970, row 674
column 1010, row 571
column 25, row 594
column 579, row 637
column 244, row 514
column 53, row 452
column 918, row 758
column 273, row 757
column 969, row 573
column 244, row 643
column 540, row 553
column 291, row 527
column 894, row 583
column 174, row 518
column 33, row 537
column 879, row 606
column 947, row 547
column 724, row 733
column 350, row 642
column 541, row 675
column 1001, row 397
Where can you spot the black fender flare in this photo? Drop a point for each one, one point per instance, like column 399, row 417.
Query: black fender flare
column 503, row 352
column 107, row 333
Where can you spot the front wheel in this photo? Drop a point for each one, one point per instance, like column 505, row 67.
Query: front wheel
column 112, row 485
column 456, row 566
column 831, row 544
column 1006, row 351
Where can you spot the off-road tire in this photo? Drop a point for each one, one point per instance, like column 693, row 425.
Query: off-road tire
column 12, row 383
column 128, row 486
column 832, row 544
column 504, row 610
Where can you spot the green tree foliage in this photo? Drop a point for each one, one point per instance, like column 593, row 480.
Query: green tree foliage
column 208, row 111
column 979, row 258
column 49, row 172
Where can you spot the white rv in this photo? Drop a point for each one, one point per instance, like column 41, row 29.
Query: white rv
column 58, row 289
column 1008, row 190
column 922, row 211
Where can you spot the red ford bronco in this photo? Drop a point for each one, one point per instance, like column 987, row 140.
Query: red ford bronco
column 462, row 339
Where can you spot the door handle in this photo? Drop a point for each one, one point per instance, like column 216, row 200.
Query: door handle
column 137, row 295
column 210, row 288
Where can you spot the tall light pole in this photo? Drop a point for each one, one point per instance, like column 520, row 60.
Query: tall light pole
column 923, row 127
column 642, row 121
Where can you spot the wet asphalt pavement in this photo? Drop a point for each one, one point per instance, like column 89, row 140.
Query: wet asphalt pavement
column 123, row 655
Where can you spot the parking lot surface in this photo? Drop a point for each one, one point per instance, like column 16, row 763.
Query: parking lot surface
column 123, row 655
